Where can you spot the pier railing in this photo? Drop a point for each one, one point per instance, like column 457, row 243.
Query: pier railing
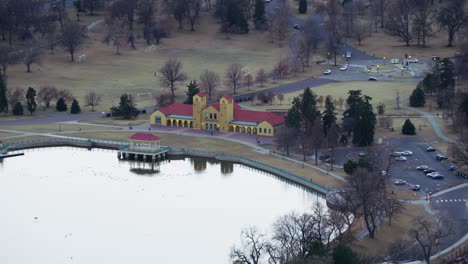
column 56, row 141
column 253, row 163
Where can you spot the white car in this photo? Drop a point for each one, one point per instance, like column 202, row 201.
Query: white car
column 399, row 182
column 344, row 67
column 401, row 158
column 406, row 153
column 327, row 72
column 433, row 174
column 413, row 60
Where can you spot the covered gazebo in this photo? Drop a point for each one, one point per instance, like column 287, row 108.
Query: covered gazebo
column 144, row 141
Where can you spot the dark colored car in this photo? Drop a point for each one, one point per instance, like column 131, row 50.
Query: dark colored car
column 441, row 157
column 428, row 171
column 296, row 26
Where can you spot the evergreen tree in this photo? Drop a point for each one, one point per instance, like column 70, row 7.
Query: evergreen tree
column 18, row 109
column 61, row 106
column 418, row 98
column 408, row 128
column 329, row 115
column 259, row 14
column 445, row 72
column 236, row 17
column 353, row 102
column 364, row 124
column 293, row 117
column 192, row 89
column 430, row 83
column 381, row 108
column 309, row 106
column 31, row 100
column 3, row 97
column 343, row 254
column 302, row 6
column 349, row 167
column 75, row 107
column 126, row 108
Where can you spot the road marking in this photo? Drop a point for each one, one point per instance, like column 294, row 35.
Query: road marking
column 450, row 200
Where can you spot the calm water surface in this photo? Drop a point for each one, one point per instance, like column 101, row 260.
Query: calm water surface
column 68, row 205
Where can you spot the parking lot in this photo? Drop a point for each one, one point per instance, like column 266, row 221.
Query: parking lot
column 406, row 170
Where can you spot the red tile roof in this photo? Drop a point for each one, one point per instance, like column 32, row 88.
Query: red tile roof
column 216, row 106
column 201, row 94
column 144, row 137
column 227, row 97
column 258, row 117
column 177, row 109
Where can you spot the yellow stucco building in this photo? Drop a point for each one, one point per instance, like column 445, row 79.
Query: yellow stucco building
column 225, row 116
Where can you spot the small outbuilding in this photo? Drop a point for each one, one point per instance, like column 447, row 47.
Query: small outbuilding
column 144, row 142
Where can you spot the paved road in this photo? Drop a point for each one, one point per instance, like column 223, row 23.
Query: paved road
column 454, row 203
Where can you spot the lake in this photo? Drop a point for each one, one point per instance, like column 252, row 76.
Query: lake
column 70, row 205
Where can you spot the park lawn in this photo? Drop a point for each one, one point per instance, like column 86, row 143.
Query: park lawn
column 381, row 92
column 382, row 45
column 57, row 128
column 386, row 235
column 219, row 145
column 134, row 71
column 140, row 120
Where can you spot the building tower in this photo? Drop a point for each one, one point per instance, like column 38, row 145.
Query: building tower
column 226, row 109
column 199, row 103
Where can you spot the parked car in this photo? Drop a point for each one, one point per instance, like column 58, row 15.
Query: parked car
column 296, row 26
column 371, row 78
column 422, row 167
column 426, row 171
column 349, row 54
column 384, row 173
column 413, row 60
column 440, row 157
column 399, row 182
column 344, row 67
column 401, row 158
column 437, row 177
column 430, row 149
column 327, row 72
column 362, row 154
column 395, row 154
column 452, row 168
column 432, row 174
column 406, row 153
column 416, row 187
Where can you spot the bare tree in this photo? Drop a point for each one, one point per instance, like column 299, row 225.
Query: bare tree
column 428, row 232
column 332, row 141
column 281, row 69
column 253, row 244
column 360, row 32
column 146, row 10
column 392, row 208
column 46, row 94
column 261, row 76
column 349, row 17
column 209, row 81
column 316, row 134
column 423, row 20
column 72, row 38
column 65, row 95
column 92, row 5
column 116, row 31
column 452, row 17
column 399, row 17
column 31, row 54
column 334, row 27
column 280, row 98
column 309, row 40
column 234, row 74
column 164, row 99
column 171, row 73
column 92, row 99
column 248, row 79
column 52, row 39
column 367, row 189
column 193, row 10
column 271, row 96
column 7, row 57
column 15, row 95
column 278, row 26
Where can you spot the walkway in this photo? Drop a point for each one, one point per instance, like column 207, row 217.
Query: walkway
column 430, row 118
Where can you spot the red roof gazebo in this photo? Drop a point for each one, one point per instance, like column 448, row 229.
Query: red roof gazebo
column 144, row 141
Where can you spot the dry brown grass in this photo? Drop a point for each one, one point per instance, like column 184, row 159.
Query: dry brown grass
column 133, row 72
column 382, row 44
column 385, row 234
column 141, row 119
column 381, row 92
column 55, row 128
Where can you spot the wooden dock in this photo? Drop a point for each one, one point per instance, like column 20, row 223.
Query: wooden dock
column 4, row 156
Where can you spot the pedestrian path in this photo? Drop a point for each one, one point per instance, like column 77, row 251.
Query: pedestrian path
column 450, row 200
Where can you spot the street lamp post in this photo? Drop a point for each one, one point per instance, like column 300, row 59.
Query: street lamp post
column 378, row 66
column 384, row 59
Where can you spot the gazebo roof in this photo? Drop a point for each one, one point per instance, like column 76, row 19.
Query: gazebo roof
column 144, row 137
